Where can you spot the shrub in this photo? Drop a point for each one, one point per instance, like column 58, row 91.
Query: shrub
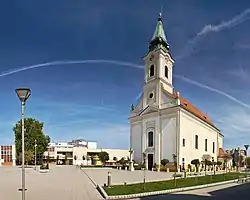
column 164, row 161
column 196, row 163
column 44, row 166
column 139, row 166
column 219, row 163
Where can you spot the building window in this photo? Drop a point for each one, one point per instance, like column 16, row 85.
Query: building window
column 205, row 144
column 196, row 141
column 183, row 142
column 150, row 139
column 151, row 70
column 213, row 147
column 166, row 71
column 151, row 95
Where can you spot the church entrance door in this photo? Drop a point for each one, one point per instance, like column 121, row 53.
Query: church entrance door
column 150, row 161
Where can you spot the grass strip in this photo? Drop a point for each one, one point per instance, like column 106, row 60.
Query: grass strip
column 168, row 184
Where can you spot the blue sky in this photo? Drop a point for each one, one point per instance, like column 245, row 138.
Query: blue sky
column 208, row 39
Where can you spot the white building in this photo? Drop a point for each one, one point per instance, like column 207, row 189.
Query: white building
column 164, row 123
column 81, row 150
column 7, row 155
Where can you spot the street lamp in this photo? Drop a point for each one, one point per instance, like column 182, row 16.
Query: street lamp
column 246, row 147
column 23, row 94
column 35, row 154
column 144, row 156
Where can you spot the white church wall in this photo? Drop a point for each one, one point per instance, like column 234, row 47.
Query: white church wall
column 165, row 99
column 151, row 123
column 220, row 141
column 136, row 140
column 168, row 137
column 189, row 127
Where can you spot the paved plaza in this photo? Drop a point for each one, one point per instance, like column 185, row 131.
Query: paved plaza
column 62, row 182
column 118, row 177
column 69, row 182
column 99, row 176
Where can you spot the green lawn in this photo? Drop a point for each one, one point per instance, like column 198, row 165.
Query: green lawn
column 168, row 184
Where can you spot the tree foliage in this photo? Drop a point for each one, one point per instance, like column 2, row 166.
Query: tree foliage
column 33, row 131
column 247, row 161
column 103, row 156
column 28, row 157
column 196, row 163
column 164, row 161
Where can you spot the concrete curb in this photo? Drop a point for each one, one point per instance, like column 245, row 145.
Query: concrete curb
column 168, row 191
column 86, row 174
column 102, row 192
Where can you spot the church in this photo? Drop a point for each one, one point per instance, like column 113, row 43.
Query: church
column 163, row 122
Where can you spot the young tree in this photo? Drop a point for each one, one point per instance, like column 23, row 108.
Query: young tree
column 103, row 156
column 33, row 131
column 247, row 161
column 175, row 166
column 226, row 158
column 206, row 159
column 196, row 163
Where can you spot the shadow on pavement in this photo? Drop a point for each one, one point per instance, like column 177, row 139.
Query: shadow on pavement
column 237, row 192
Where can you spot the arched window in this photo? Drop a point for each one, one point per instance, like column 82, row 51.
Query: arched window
column 196, row 141
column 151, row 70
column 150, row 139
column 166, row 71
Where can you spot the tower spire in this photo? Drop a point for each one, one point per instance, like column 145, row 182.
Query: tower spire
column 159, row 37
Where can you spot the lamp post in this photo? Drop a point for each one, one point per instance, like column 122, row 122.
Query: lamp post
column 23, row 94
column 144, row 170
column 246, row 147
column 213, row 162
column 35, row 154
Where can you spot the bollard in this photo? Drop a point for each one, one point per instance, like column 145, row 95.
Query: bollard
column 109, row 179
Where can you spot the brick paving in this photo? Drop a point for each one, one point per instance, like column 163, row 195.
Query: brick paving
column 62, row 182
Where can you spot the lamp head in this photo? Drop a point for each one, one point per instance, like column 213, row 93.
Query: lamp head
column 23, row 94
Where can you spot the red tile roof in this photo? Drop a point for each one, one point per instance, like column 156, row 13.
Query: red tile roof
column 222, row 153
column 185, row 104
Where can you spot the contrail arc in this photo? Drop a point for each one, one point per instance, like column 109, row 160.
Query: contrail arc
column 213, row 90
column 68, row 62
column 121, row 63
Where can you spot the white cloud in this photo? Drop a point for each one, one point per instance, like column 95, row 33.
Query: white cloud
column 236, row 20
column 234, row 123
column 191, row 45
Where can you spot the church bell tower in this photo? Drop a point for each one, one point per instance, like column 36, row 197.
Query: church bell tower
column 158, row 67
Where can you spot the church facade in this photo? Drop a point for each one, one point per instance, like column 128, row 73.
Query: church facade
column 164, row 123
